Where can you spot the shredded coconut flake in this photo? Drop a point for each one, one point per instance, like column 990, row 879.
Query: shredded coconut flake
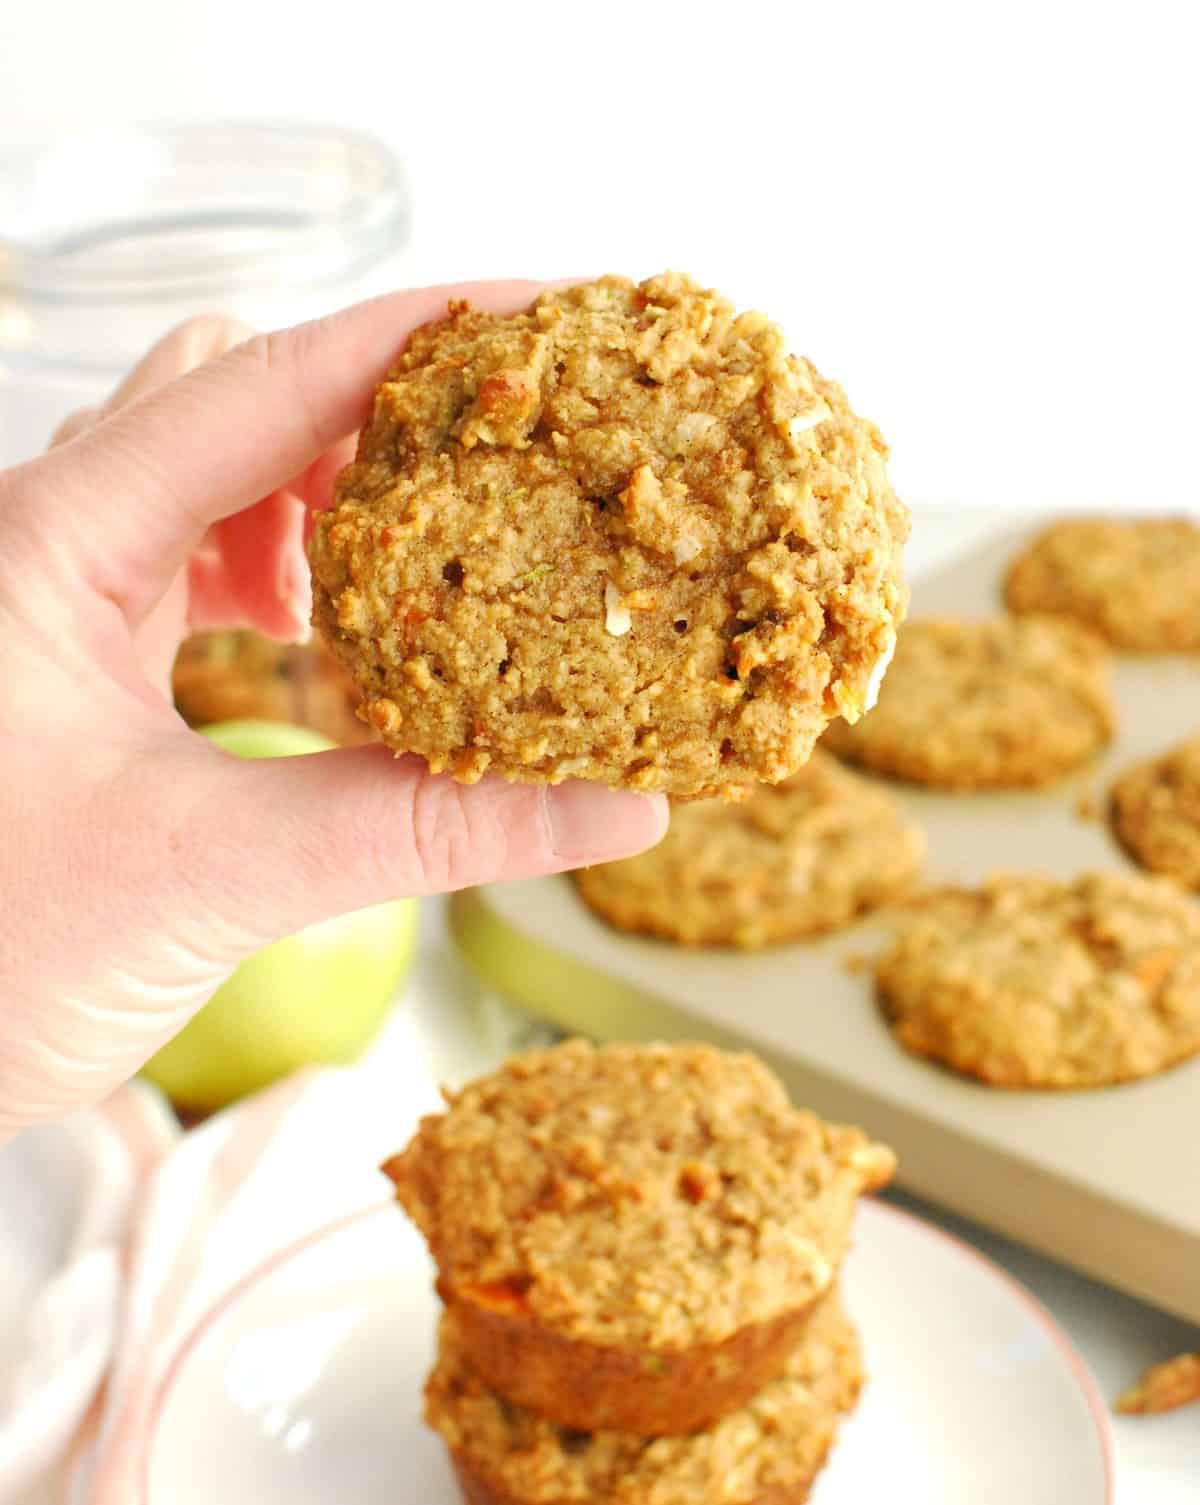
column 569, row 767
column 805, row 421
column 875, row 683
column 685, row 549
column 616, row 614
column 821, row 1269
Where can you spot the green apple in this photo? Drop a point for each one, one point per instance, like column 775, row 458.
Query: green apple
column 318, row 996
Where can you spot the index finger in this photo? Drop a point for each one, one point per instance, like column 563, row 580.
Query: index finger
column 134, row 495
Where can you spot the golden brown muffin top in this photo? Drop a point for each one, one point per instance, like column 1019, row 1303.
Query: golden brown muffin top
column 1001, row 703
column 793, row 859
column 623, row 536
column 1136, row 581
column 1156, row 813
column 1031, row 982
column 664, row 1195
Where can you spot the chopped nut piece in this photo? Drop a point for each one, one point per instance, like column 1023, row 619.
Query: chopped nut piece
column 617, row 619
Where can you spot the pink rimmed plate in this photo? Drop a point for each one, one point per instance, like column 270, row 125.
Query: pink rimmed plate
column 304, row 1386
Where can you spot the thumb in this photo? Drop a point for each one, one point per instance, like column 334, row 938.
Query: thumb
column 307, row 837
column 207, row 858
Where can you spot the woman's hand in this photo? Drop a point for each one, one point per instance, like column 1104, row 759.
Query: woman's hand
column 139, row 864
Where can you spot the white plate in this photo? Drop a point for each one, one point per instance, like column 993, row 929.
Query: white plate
column 304, row 1387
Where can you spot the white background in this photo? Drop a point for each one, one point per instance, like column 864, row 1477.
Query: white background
column 981, row 218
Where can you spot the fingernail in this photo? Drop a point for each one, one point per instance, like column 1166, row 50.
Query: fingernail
column 589, row 823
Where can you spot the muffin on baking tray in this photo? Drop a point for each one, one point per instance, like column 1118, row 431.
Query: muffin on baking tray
column 793, row 859
column 1031, row 982
column 1155, row 812
column 621, row 536
column 998, row 704
column 228, row 676
column 632, row 1238
column 767, row 1453
column 1136, row 581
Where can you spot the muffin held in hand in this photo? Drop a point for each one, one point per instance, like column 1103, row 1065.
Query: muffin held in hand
column 1006, row 703
column 768, row 1453
column 633, row 1237
column 793, row 859
column 622, row 536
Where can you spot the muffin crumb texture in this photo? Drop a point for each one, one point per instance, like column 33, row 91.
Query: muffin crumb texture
column 1136, row 581
column 622, row 536
column 1031, row 982
column 770, row 1451
column 636, row 1197
column 1005, row 703
column 793, row 859
column 1156, row 813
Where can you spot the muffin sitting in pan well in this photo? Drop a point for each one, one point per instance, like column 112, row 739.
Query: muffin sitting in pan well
column 1156, row 813
column 1000, row 704
column 794, row 859
column 1031, row 982
column 632, row 1238
column 1136, row 581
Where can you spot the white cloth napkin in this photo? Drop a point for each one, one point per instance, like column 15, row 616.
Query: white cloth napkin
column 70, row 1196
column 172, row 1225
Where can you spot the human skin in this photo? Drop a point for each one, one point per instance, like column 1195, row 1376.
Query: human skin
column 140, row 863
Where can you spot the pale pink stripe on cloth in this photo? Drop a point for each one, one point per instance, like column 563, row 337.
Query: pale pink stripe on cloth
column 147, row 1129
column 59, row 1357
column 234, row 1192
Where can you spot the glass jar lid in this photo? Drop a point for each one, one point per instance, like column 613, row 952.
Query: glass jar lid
column 108, row 237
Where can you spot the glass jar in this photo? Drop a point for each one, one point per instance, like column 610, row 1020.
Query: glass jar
column 109, row 238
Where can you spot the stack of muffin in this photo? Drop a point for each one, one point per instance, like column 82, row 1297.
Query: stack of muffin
column 638, row 1249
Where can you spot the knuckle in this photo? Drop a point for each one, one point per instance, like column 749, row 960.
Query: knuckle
column 204, row 336
column 459, row 834
column 73, row 424
column 445, row 839
column 269, row 348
